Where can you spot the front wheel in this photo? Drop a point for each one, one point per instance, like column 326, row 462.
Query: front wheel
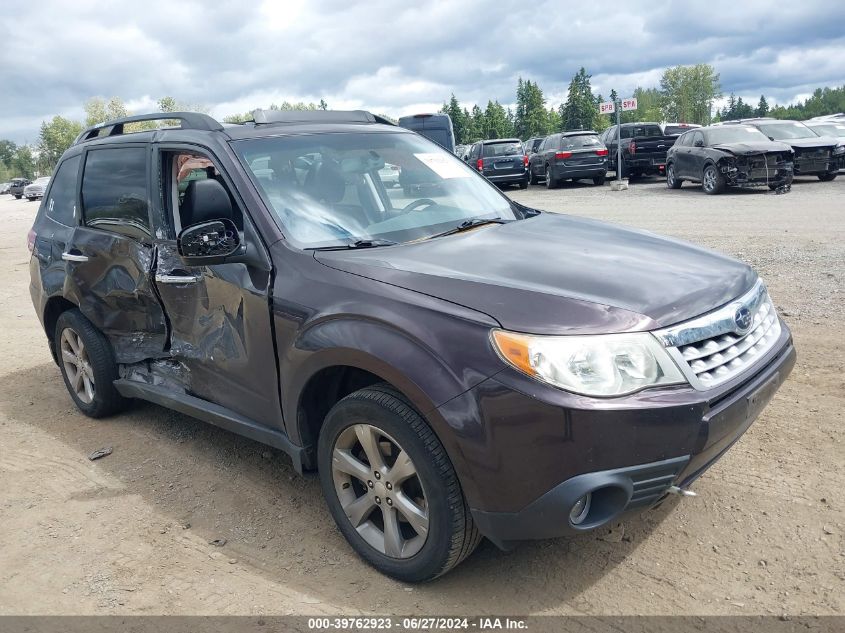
column 671, row 180
column 532, row 177
column 87, row 365
column 712, row 181
column 391, row 488
column 827, row 177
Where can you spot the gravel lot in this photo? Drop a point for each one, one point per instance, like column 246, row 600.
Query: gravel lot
column 130, row 533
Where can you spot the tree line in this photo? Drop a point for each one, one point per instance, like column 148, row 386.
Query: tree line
column 685, row 94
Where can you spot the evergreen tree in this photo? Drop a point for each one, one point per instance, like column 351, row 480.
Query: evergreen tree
column 762, row 107
column 580, row 111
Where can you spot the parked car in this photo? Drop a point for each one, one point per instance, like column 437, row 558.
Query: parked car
column 4, row 187
column 437, row 127
column 389, row 175
column 574, row 155
column 35, row 190
column 453, row 367
column 676, row 129
column 532, row 145
column 17, row 185
column 644, row 147
column 832, row 127
column 814, row 155
column 729, row 156
column 502, row 161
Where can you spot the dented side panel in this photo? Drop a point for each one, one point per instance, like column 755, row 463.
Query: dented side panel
column 221, row 334
column 113, row 289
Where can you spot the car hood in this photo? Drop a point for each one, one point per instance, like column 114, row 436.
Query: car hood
column 558, row 274
column 755, row 147
column 822, row 141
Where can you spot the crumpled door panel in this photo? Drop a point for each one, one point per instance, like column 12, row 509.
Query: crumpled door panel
column 113, row 289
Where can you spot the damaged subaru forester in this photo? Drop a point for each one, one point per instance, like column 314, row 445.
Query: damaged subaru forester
column 454, row 366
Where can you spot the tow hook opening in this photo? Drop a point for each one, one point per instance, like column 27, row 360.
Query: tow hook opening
column 681, row 492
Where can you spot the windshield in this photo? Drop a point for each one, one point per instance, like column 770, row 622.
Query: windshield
column 783, row 131
column 734, row 134
column 42, row 181
column 333, row 189
column 830, row 129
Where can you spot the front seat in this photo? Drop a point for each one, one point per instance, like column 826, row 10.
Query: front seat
column 205, row 200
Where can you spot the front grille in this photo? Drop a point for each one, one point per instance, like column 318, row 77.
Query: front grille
column 810, row 160
column 715, row 348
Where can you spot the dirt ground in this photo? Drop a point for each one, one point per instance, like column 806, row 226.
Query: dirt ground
column 130, row 533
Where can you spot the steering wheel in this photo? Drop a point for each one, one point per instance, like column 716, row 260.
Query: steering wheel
column 422, row 202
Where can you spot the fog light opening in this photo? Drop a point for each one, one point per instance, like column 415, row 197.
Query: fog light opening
column 581, row 509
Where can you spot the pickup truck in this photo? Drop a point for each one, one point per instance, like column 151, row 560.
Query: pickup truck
column 644, row 147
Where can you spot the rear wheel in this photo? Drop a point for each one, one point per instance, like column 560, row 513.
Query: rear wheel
column 87, row 365
column 523, row 184
column 18, row 196
column 551, row 181
column 598, row 180
column 532, row 177
column 391, row 488
column 712, row 181
column 827, row 177
column 671, row 180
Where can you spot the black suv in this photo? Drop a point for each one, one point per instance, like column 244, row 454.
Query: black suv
column 17, row 185
column 454, row 366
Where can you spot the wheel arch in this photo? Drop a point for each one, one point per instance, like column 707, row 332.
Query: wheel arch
column 53, row 309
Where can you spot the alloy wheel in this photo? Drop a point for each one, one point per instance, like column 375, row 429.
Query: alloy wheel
column 380, row 491
column 709, row 179
column 670, row 175
column 80, row 373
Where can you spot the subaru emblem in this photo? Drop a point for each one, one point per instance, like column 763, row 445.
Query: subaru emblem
column 742, row 319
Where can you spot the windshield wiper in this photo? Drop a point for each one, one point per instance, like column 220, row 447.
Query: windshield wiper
column 471, row 224
column 369, row 243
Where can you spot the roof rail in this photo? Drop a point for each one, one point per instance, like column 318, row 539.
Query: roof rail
column 262, row 117
column 187, row 120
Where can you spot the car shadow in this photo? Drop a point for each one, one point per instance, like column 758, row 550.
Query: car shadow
column 222, row 485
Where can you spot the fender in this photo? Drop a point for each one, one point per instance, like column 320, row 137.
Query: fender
column 421, row 372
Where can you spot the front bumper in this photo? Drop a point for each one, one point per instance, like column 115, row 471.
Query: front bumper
column 542, row 449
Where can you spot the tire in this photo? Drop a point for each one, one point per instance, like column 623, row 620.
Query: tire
column 532, row 177
column 598, row 180
column 827, row 177
column 551, row 182
column 523, row 184
column 671, row 181
column 18, row 196
column 712, row 181
column 100, row 369
column 382, row 413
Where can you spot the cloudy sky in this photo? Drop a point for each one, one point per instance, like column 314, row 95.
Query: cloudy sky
column 395, row 57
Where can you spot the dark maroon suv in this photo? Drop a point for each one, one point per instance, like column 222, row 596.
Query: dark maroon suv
column 454, row 366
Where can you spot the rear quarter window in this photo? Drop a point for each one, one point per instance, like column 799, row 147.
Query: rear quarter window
column 60, row 203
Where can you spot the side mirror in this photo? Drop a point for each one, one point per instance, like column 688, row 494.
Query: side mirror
column 209, row 243
column 699, row 143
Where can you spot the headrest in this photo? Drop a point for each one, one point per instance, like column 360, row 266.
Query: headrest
column 325, row 182
column 205, row 200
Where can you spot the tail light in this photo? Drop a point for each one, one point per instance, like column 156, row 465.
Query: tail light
column 562, row 155
column 601, row 152
column 525, row 161
column 632, row 147
column 30, row 240
column 479, row 165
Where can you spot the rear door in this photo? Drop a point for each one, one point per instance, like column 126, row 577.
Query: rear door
column 582, row 151
column 109, row 255
column 503, row 158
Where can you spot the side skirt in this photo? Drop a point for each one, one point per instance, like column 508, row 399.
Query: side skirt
column 213, row 414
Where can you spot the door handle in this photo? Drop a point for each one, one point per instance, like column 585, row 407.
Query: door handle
column 74, row 257
column 176, row 279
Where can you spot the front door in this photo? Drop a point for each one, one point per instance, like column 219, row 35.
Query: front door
column 219, row 316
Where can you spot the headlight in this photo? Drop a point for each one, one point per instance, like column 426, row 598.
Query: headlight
column 839, row 149
column 602, row 365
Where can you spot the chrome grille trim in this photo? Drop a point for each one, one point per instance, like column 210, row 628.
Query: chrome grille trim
column 712, row 349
